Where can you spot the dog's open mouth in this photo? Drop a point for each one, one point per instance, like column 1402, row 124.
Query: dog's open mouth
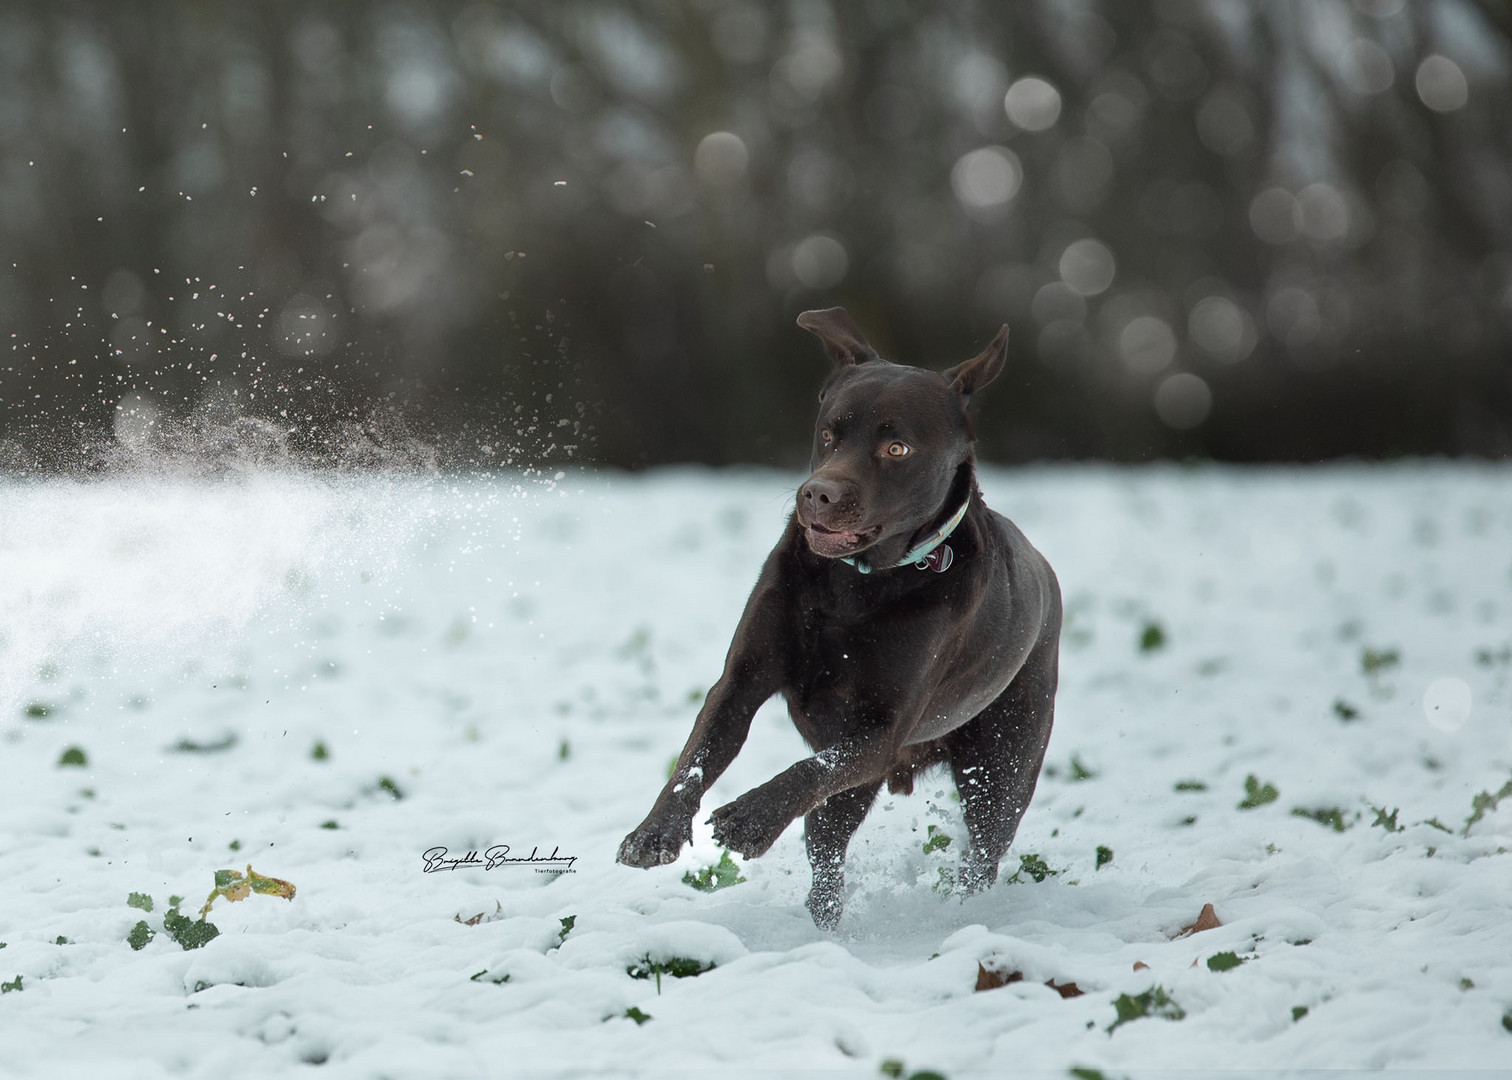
column 835, row 543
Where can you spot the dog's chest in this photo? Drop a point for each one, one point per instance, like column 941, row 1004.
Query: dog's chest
column 846, row 663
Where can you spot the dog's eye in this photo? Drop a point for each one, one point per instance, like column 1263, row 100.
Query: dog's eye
column 898, row 449
column 826, row 436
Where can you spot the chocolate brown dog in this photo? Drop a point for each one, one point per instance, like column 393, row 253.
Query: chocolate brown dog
column 904, row 622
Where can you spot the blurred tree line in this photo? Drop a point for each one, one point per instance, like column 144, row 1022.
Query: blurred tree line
column 1278, row 230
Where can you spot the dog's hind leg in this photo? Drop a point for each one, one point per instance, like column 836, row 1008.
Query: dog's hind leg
column 995, row 759
column 827, row 831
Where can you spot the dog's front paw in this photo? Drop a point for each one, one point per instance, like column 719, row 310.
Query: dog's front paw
column 749, row 825
column 826, row 900
column 978, row 872
column 655, row 843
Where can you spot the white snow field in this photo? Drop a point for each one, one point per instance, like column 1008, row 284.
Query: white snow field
column 252, row 666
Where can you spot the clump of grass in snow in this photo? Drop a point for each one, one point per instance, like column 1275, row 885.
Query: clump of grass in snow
column 189, row 746
column 74, row 755
column 1080, row 771
column 1332, row 816
column 1376, row 664
column 1224, row 961
column 189, row 933
column 1034, row 866
column 721, row 875
column 1104, row 856
column 140, row 935
column 938, row 840
column 1152, row 636
column 678, row 967
column 1257, row 794
column 1485, row 803
column 1155, row 1001
column 1490, row 657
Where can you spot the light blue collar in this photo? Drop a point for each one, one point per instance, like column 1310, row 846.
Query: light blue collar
column 919, row 554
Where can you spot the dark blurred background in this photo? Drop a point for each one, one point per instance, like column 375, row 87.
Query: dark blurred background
column 1248, row 231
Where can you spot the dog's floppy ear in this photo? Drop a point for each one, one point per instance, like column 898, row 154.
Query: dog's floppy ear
column 980, row 370
column 842, row 338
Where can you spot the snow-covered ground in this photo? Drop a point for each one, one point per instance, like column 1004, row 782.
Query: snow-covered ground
column 520, row 660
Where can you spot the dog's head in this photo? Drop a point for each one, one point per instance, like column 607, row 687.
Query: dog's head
column 889, row 443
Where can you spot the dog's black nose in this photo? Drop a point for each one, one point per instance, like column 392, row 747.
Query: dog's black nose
column 820, row 493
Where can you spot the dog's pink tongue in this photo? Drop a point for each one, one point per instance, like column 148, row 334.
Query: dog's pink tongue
column 831, row 543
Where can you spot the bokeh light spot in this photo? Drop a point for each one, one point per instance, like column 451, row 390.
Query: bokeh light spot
column 1322, row 212
column 1058, row 302
column 1221, row 329
column 1293, row 316
column 1441, row 84
column 1183, row 401
column 1087, row 266
column 1366, row 67
column 1224, row 124
column 1033, row 104
column 820, row 261
column 1273, row 215
column 1447, row 703
column 987, row 178
column 1147, row 344
column 721, row 159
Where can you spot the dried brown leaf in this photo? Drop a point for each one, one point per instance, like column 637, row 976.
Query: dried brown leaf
column 1207, row 920
column 991, row 980
column 1065, row 990
column 1140, row 965
column 482, row 916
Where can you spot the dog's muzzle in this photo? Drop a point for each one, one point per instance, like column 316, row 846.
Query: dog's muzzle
column 829, row 514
